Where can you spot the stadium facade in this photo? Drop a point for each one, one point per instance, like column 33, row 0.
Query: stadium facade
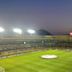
column 17, row 44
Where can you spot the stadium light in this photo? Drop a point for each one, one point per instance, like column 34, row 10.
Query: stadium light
column 31, row 31
column 70, row 33
column 17, row 30
column 2, row 29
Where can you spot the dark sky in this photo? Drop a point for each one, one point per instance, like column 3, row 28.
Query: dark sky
column 52, row 15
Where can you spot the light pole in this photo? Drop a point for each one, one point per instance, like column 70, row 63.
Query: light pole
column 31, row 31
column 2, row 29
column 17, row 30
column 70, row 33
column 70, row 38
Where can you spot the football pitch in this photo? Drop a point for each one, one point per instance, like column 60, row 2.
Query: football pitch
column 32, row 62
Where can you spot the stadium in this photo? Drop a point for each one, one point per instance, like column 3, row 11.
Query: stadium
column 35, row 35
column 22, row 53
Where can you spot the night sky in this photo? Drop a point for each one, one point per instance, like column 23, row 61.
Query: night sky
column 52, row 15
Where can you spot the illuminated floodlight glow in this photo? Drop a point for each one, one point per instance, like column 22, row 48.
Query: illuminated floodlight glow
column 70, row 33
column 2, row 29
column 31, row 31
column 17, row 30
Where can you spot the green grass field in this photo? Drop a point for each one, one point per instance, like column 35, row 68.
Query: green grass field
column 32, row 62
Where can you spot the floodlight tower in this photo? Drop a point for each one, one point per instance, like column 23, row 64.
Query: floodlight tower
column 2, row 29
column 17, row 30
column 31, row 31
column 70, row 33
